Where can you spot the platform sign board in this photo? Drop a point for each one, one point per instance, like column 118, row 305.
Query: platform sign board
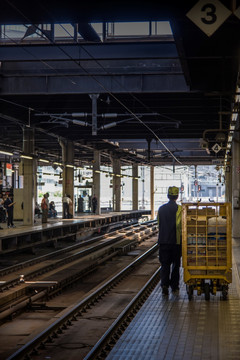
column 237, row 12
column 208, row 15
column 8, row 169
column 216, row 148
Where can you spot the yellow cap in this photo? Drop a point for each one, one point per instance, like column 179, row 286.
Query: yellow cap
column 173, row 190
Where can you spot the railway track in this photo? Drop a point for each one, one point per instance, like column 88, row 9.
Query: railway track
column 26, row 295
column 103, row 314
column 28, row 270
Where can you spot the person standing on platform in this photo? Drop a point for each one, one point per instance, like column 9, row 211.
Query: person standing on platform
column 94, row 204
column 45, row 207
column 65, row 207
column 70, row 207
column 2, row 211
column 9, row 204
column 169, row 240
column 80, row 204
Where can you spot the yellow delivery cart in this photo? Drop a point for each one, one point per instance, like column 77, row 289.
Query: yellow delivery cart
column 207, row 248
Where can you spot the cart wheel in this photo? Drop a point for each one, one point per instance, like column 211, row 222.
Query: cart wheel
column 190, row 292
column 224, row 292
column 207, row 291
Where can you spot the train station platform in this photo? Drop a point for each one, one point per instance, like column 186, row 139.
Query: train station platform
column 174, row 328
column 25, row 236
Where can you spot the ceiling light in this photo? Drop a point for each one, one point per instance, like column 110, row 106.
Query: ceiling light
column 43, row 160
column 26, row 157
column 6, row 153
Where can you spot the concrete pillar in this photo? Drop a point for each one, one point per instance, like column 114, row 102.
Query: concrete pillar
column 29, row 170
column 135, row 187
column 152, row 192
column 96, row 179
column 116, row 185
column 68, row 170
column 228, row 184
column 235, row 186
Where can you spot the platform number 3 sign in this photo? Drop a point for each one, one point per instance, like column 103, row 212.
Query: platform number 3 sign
column 210, row 15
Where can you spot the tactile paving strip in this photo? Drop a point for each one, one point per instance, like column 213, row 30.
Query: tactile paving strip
column 174, row 328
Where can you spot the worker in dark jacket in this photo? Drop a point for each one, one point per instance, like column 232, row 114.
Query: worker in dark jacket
column 169, row 240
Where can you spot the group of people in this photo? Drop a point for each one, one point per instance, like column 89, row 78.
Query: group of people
column 6, row 210
column 47, row 208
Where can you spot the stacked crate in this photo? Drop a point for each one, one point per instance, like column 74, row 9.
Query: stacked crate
column 206, row 242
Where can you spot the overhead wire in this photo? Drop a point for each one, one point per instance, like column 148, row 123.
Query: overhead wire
column 100, row 84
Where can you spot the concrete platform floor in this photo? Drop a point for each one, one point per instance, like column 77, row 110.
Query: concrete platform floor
column 174, row 328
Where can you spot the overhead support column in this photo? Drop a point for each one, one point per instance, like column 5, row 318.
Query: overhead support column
column 116, row 184
column 68, row 170
column 96, row 179
column 228, row 185
column 94, row 98
column 152, row 192
column 29, row 167
column 135, row 187
column 235, row 186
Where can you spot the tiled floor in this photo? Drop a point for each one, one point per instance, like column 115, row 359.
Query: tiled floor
column 172, row 327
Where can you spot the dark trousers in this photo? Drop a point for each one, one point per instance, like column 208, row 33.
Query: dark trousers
column 65, row 210
column 10, row 217
column 170, row 258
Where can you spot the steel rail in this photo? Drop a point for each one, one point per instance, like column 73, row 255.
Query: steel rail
column 62, row 323
column 27, row 263
column 119, row 236
column 108, row 340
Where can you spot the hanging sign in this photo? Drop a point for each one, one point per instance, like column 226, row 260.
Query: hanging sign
column 208, row 15
column 216, row 148
column 237, row 12
column 8, row 169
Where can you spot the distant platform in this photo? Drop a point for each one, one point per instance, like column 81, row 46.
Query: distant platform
column 25, row 236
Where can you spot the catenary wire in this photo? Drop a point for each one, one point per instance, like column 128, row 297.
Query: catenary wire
column 101, row 85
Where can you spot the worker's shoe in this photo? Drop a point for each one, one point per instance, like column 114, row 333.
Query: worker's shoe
column 164, row 290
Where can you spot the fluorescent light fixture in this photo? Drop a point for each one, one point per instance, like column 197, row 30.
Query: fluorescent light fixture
column 98, row 171
column 43, row 160
column 56, row 163
column 26, row 157
column 70, row 166
column 118, row 175
column 6, row 153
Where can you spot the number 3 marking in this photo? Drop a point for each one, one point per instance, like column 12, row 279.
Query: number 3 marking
column 210, row 11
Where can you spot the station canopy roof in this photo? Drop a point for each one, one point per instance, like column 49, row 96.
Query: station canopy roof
column 149, row 82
